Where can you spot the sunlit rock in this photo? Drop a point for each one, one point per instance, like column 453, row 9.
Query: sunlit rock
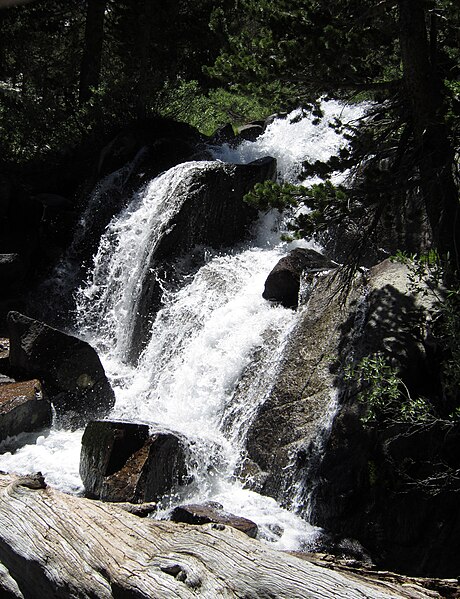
column 214, row 512
column 23, row 408
column 122, row 461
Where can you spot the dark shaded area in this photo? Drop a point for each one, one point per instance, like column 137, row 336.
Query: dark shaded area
column 106, row 447
column 41, row 207
column 393, row 486
column 70, row 369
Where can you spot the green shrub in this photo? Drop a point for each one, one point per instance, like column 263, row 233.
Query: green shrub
column 384, row 394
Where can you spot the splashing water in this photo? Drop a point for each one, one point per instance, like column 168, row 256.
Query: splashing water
column 295, row 139
column 213, row 333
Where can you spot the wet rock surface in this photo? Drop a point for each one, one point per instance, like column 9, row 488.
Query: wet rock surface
column 124, row 462
column 285, row 431
column 69, row 368
column 215, row 513
column 392, row 488
column 23, row 408
column 283, row 283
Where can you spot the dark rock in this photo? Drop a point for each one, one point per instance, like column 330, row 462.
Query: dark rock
column 212, row 512
column 166, row 153
column 223, row 135
column 106, row 447
column 285, row 436
column 12, row 269
column 53, row 200
column 20, row 228
column 4, row 355
column 121, row 462
column 401, row 478
column 202, row 154
column 154, row 133
column 23, row 409
column 251, row 131
column 152, row 472
column 70, row 368
column 14, row 303
column 211, row 213
column 6, row 192
column 57, row 224
column 283, row 282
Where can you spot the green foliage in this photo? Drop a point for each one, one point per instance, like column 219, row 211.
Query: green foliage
column 427, row 279
column 383, row 393
column 150, row 66
column 318, row 206
column 269, row 195
column 293, row 51
column 39, row 65
column 301, row 48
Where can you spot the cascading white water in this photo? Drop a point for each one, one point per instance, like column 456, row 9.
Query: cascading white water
column 106, row 306
column 214, row 331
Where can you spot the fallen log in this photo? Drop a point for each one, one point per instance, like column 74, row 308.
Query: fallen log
column 62, row 546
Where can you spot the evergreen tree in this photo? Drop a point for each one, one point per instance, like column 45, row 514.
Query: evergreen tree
column 90, row 71
column 401, row 54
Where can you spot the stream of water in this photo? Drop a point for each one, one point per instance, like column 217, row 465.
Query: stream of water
column 212, row 331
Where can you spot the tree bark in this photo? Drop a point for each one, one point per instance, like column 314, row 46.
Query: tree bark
column 61, row 546
column 434, row 151
column 92, row 52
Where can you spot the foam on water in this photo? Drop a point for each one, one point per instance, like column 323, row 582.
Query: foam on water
column 295, row 139
column 54, row 453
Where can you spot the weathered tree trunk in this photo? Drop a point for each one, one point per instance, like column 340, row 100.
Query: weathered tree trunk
column 61, row 546
column 434, row 151
column 92, row 51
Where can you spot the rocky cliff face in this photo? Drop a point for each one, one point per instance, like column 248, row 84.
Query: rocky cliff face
column 391, row 487
column 303, row 395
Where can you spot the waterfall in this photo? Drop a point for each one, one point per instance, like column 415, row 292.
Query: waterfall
column 106, row 199
column 107, row 304
column 214, row 335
